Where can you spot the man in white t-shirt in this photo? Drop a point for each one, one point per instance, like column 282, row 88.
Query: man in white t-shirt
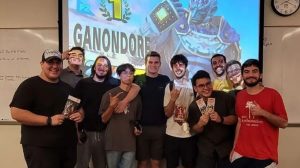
column 180, row 143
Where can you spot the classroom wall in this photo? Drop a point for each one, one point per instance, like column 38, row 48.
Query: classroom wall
column 289, row 150
column 44, row 14
column 20, row 14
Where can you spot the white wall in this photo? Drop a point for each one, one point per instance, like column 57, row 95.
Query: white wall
column 22, row 14
column 11, row 153
column 289, row 150
column 44, row 13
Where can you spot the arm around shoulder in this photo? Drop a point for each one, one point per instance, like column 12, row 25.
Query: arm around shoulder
column 133, row 92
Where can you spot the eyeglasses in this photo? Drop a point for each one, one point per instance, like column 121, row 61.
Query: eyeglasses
column 127, row 73
column 202, row 86
column 105, row 66
column 234, row 72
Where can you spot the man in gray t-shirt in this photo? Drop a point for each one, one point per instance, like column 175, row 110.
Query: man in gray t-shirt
column 120, row 132
column 73, row 73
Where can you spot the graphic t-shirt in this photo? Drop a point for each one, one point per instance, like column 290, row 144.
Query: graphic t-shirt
column 257, row 137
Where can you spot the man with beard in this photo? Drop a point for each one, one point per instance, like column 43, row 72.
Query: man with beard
column 180, row 142
column 90, row 91
column 211, row 116
column 218, row 63
column 234, row 75
column 261, row 113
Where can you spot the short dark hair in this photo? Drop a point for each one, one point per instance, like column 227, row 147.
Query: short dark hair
column 78, row 48
column 123, row 67
column 109, row 72
column 179, row 58
column 252, row 62
column 198, row 75
column 232, row 62
column 218, row 55
column 152, row 54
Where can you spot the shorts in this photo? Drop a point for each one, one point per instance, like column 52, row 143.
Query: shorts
column 184, row 149
column 150, row 144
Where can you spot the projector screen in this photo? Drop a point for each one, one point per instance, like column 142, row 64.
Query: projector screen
column 125, row 30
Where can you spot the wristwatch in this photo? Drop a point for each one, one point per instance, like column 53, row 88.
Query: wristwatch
column 49, row 121
column 222, row 119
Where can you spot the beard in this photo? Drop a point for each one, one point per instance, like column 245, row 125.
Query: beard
column 220, row 71
column 100, row 76
column 251, row 84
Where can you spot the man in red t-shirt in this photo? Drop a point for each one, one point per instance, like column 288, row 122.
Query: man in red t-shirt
column 261, row 113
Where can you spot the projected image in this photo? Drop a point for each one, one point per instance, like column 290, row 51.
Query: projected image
column 125, row 30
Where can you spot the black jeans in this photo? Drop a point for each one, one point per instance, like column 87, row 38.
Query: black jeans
column 49, row 157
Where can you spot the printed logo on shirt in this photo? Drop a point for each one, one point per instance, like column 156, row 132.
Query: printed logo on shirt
column 249, row 119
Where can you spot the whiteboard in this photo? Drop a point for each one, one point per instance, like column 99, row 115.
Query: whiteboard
column 20, row 56
column 281, row 66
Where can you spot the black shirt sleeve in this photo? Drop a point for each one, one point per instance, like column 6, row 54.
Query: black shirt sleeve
column 23, row 97
column 194, row 114
column 230, row 103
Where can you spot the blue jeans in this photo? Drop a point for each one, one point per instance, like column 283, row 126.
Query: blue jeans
column 120, row 159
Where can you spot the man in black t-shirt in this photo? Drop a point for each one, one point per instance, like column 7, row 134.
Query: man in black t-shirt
column 150, row 143
column 211, row 116
column 47, row 137
column 90, row 90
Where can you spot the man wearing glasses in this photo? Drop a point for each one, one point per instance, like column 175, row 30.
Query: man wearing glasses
column 211, row 115
column 120, row 140
column 90, row 90
column 234, row 75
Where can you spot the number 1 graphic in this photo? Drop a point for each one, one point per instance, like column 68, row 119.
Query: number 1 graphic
column 117, row 9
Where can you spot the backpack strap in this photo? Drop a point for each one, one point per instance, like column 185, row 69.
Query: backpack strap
column 171, row 85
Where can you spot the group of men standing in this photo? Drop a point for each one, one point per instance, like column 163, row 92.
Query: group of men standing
column 148, row 117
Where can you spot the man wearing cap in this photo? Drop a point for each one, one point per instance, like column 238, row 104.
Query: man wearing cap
column 47, row 137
